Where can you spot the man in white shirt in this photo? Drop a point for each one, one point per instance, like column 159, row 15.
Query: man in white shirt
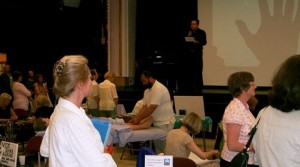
column 156, row 103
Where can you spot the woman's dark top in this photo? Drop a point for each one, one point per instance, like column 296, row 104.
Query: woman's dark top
column 5, row 113
column 43, row 112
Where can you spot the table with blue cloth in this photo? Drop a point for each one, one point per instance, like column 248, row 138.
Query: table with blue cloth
column 206, row 126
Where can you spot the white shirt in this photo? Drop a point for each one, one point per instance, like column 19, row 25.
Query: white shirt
column 159, row 95
column 108, row 93
column 277, row 139
column 72, row 140
column 137, row 107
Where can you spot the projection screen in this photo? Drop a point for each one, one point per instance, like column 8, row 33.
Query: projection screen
column 248, row 35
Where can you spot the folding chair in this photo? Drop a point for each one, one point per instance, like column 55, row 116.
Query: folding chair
column 180, row 162
column 33, row 147
column 141, row 157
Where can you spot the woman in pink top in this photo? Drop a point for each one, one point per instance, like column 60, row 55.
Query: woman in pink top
column 238, row 119
column 21, row 95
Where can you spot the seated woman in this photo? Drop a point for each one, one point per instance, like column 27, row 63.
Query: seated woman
column 179, row 142
column 42, row 113
column 6, row 111
column 7, row 114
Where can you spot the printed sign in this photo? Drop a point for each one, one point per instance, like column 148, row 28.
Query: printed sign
column 158, row 161
column 8, row 153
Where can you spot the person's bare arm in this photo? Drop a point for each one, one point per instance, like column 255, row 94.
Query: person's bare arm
column 144, row 124
column 233, row 133
column 116, row 101
column 143, row 113
column 13, row 115
column 46, row 121
column 32, row 119
column 135, row 120
column 201, row 154
column 3, row 120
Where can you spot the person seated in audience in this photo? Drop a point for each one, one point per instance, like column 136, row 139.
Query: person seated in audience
column 43, row 111
column 180, row 143
column 6, row 111
column 7, row 114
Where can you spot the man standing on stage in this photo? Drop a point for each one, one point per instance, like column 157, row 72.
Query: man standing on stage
column 195, row 54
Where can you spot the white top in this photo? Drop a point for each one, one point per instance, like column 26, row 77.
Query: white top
column 72, row 140
column 159, row 95
column 21, row 95
column 237, row 113
column 91, row 101
column 137, row 107
column 107, row 92
column 277, row 139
